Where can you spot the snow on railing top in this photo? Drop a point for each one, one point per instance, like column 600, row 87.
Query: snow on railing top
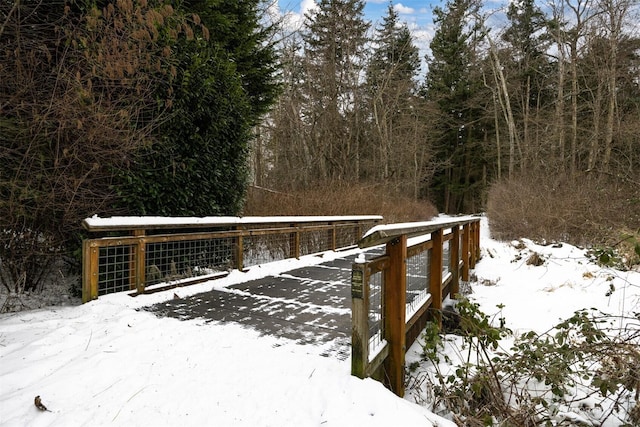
column 96, row 223
column 384, row 233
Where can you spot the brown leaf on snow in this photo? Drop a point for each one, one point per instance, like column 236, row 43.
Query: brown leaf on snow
column 38, row 402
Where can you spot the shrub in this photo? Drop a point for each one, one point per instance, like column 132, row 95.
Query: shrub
column 585, row 368
column 583, row 210
column 339, row 199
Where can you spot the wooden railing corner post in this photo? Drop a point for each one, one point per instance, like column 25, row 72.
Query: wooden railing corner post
column 395, row 297
column 89, row 271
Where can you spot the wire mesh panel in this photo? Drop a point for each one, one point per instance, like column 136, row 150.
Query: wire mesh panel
column 446, row 257
column 460, row 246
column 116, row 269
column 376, row 321
column 417, row 281
column 168, row 261
column 347, row 235
column 260, row 249
column 312, row 242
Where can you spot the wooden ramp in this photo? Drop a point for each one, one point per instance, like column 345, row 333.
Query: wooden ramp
column 309, row 305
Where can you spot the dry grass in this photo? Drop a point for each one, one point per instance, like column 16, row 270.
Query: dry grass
column 584, row 210
column 339, row 199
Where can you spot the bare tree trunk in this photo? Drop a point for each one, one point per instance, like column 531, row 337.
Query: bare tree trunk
column 496, row 124
column 498, row 144
column 560, row 130
column 595, row 138
column 616, row 11
column 526, row 143
column 505, row 103
column 574, row 108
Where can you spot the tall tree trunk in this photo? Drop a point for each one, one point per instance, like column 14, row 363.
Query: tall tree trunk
column 574, row 108
column 560, row 129
column 595, row 137
column 505, row 103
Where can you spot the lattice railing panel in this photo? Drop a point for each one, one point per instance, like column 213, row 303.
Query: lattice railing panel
column 375, row 310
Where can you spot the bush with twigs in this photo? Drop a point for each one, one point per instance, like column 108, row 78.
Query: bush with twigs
column 583, row 371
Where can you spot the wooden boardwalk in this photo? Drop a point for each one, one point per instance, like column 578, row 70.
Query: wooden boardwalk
column 309, row 305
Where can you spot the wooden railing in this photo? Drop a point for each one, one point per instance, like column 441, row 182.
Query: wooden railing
column 145, row 254
column 395, row 294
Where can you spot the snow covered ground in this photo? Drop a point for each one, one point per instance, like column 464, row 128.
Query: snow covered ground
column 106, row 362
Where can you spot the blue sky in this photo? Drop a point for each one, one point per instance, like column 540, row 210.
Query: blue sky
column 411, row 11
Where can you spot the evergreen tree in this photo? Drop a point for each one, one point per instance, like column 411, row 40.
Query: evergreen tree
column 335, row 37
column 526, row 67
column 395, row 60
column 235, row 27
column 197, row 166
column 391, row 88
column 452, row 85
column 224, row 84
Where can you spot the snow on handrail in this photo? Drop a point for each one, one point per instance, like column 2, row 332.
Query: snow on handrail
column 97, row 223
column 384, row 233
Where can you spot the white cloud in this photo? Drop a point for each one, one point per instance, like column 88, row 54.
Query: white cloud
column 307, row 6
column 293, row 20
column 404, row 10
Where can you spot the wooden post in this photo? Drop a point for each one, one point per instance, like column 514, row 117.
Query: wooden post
column 239, row 252
column 332, row 236
column 395, row 285
column 359, row 320
column 454, row 246
column 90, row 271
column 435, row 275
column 466, row 235
column 140, row 261
column 294, row 243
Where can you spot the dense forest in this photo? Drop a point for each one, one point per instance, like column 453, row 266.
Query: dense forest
column 530, row 112
column 554, row 91
column 178, row 107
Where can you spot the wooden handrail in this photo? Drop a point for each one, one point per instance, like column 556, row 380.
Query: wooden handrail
column 399, row 332
column 132, row 266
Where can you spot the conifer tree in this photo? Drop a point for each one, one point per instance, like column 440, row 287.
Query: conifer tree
column 224, row 83
column 453, row 86
column 526, row 67
column 335, row 38
column 393, row 105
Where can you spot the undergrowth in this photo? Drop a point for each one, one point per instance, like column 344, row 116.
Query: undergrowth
column 339, row 199
column 584, row 210
column 583, row 371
